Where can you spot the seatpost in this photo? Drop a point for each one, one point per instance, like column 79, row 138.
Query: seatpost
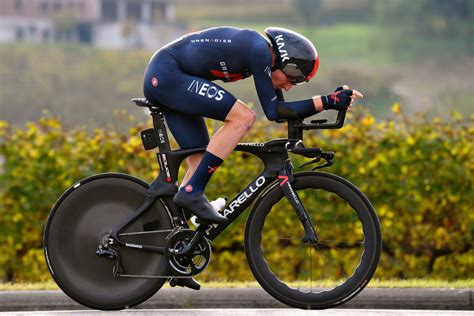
column 161, row 134
column 293, row 131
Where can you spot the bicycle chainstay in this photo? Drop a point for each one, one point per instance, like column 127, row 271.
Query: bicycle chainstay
column 118, row 270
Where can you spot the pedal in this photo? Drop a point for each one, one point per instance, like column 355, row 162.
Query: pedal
column 185, row 282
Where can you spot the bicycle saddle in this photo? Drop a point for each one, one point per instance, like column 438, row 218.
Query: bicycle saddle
column 143, row 102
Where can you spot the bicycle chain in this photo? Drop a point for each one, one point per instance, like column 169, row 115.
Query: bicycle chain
column 146, row 233
column 137, row 276
column 170, row 232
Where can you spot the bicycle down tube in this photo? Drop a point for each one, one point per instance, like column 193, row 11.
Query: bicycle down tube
column 277, row 166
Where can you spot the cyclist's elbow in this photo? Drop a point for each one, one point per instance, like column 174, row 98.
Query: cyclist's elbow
column 272, row 116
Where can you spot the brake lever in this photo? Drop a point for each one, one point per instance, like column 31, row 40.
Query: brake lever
column 324, row 165
column 310, row 162
column 326, row 155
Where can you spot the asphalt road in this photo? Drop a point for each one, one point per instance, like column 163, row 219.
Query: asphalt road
column 227, row 298
column 253, row 312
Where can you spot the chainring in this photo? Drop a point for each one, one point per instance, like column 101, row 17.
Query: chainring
column 187, row 265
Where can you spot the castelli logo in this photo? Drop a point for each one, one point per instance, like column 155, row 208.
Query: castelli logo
column 188, row 188
column 154, row 81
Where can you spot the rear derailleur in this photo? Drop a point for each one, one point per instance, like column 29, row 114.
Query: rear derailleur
column 107, row 250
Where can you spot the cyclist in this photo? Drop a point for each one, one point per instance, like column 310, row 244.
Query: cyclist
column 181, row 74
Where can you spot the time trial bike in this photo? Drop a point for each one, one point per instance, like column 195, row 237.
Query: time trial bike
column 312, row 239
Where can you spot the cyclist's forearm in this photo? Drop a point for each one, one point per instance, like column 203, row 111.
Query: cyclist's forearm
column 296, row 109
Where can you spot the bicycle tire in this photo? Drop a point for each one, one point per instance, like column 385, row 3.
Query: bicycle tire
column 283, row 270
column 88, row 209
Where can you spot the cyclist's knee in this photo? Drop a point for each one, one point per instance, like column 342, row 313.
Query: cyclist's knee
column 241, row 116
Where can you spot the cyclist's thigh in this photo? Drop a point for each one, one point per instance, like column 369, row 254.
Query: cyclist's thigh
column 188, row 130
column 169, row 85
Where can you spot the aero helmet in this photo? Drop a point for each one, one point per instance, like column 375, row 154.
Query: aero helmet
column 296, row 56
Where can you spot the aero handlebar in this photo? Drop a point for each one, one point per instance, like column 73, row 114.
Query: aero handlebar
column 296, row 127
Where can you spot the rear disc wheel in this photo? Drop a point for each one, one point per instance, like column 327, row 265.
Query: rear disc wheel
column 78, row 222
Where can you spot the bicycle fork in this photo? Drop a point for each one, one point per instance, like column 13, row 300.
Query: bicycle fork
column 285, row 178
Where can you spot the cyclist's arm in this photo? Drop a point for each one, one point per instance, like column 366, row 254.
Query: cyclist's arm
column 273, row 108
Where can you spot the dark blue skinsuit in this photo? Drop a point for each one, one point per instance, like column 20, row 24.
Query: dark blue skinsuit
column 180, row 76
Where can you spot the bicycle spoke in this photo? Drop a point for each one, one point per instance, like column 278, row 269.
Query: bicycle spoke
column 350, row 244
column 310, row 269
column 300, row 248
column 282, row 238
column 319, row 213
column 325, row 263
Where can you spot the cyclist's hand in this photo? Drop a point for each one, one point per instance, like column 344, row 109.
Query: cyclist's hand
column 341, row 99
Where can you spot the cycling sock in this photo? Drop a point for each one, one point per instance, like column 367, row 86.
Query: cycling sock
column 204, row 171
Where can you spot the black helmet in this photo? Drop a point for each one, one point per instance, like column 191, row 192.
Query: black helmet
column 296, row 56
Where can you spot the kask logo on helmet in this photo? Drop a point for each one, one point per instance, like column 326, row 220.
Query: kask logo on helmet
column 281, row 43
column 297, row 56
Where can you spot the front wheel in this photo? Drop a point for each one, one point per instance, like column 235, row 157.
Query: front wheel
column 314, row 275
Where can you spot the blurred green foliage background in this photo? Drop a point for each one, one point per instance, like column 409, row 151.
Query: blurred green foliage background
column 406, row 57
column 416, row 172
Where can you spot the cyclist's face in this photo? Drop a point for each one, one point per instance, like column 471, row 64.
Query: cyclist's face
column 280, row 81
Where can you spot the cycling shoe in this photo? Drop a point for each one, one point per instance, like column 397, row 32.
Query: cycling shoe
column 199, row 206
column 185, row 282
column 217, row 204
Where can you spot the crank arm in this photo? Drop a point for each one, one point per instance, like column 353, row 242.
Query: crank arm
column 188, row 248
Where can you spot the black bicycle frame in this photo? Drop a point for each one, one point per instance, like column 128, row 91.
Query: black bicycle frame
column 278, row 170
